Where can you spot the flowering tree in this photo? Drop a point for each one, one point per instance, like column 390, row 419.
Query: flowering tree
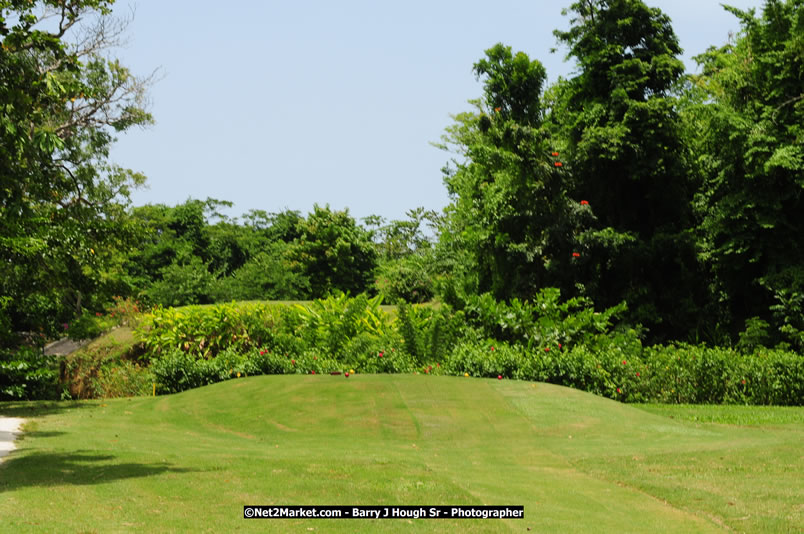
column 618, row 118
column 511, row 214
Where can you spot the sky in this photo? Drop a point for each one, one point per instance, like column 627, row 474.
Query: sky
column 281, row 105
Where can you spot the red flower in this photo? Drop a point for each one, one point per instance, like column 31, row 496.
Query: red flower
column 492, row 349
column 576, row 255
column 499, row 377
column 312, row 372
column 554, row 154
column 584, row 202
column 637, row 373
column 558, row 164
column 742, row 381
column 262, row 352
column 497, row 109
column 559, row 345
column 98, row 314
column 547, row 349
column 293, row 362
column 619, row 390
column 624, row 362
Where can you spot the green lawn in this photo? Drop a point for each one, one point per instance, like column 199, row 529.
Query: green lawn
column 578, row 463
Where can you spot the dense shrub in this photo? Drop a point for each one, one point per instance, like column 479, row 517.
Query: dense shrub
column 90, row 325
column 562, row 343
column 488, row 360
column 712, row 375
column 547, row 321
column 407, row 278
column 668, row 374
column 207, row 330
column 26, row 373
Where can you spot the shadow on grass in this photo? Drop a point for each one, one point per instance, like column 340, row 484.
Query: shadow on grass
column 26, row 409
column 44, row 469
column 39, row 434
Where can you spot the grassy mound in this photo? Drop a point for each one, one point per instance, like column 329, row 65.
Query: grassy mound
column 577, row 462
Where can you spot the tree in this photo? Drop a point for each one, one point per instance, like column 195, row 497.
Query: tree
column 61, row 201
column 624, row 140
column 406, row 261
column 750, row 150
column 334, row 252
column 511, row 215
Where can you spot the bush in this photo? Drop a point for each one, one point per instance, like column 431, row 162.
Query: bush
column 90, row 325
column 544, row 322
column 207, row 330
column 696, row 374
column 27, row 374
column 488, row 360
column 562, row 343
column 105, row 370
column 407, row 279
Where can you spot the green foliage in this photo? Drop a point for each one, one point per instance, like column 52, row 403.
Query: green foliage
column 410, row 279
column 410, row 327
column 179, row 371
column 698, row 374
column 207, row 330
column 63, row 225
column 788, row 313
column 330, row 324
column 511, row 215
column 488, row 360
column 754, row 336
column 334, row 252
column 628, row 160
column 546, row 322
column 402, row 239
column 26, row 373
column 624, row 371
column 429, row 333
column 105, row 369
column 269, row 275
column 566, row 343
column 180, row 285
column 90, row 325
column 747, row 113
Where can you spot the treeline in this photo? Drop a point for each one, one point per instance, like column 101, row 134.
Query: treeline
column 193, row 254
column 630, row 182
column 680, row 195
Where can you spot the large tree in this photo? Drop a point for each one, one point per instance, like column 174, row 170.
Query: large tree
column 627, row 156
column 511, row 217
column 62, row 216
column 750, row 126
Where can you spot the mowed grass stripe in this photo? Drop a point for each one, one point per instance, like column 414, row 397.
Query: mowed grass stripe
column 189, row 462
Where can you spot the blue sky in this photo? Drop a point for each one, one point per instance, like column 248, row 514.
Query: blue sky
column 280, row 105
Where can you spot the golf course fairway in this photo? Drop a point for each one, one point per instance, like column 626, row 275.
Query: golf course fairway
column 576, row 462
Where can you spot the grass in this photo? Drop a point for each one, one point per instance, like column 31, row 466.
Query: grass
column 577, row 462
